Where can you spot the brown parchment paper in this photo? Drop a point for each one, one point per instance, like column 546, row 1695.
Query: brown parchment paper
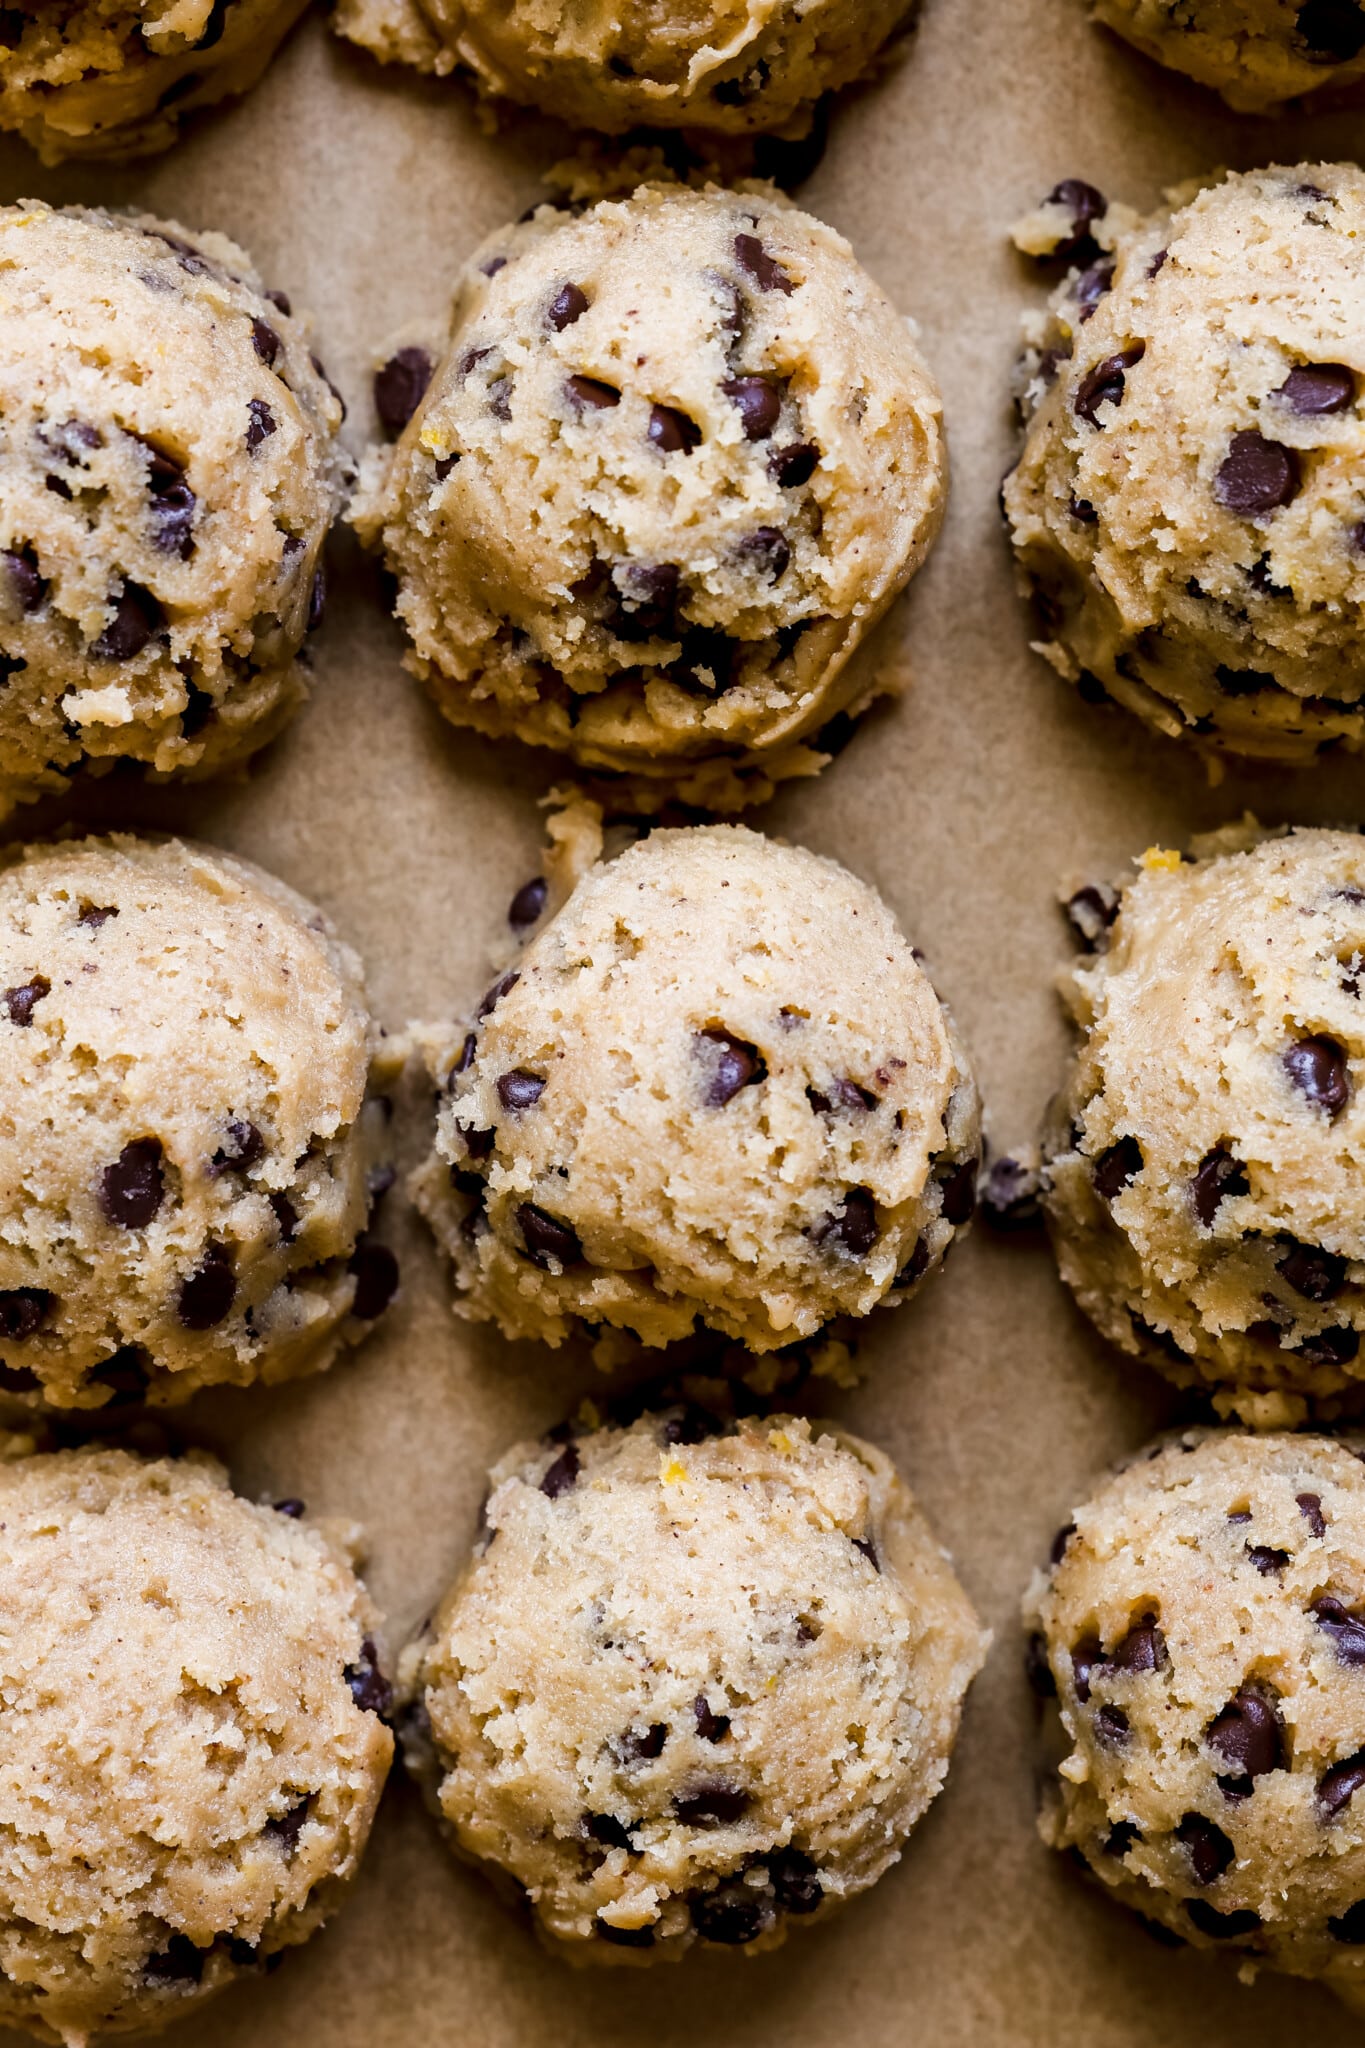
column 359, row 190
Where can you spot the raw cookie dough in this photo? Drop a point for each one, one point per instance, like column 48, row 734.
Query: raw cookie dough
column 681, row 456
column 1189, row 507
column 115, row 77
column 691, row 1684
column 717, row 1087
column 168, row 471
column 191, row 1751
column 1254, row 52
column 1204, row 1174
column 184, row 1131
column 1202, row 1626
column 739, row 65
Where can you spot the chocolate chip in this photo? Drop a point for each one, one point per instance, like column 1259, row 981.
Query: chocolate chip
column 173, row 508
column 1338, row 1785
column 1105, row 383
column 23, row 1311
column 19, row 1003
column 260, row 425
column 206, row 1295
column 1081, row 509
column 291, row 1508
column 1091, row 286
column 765, row 271
column 710, row 1727
column 1084, row 204
column 587, row 393
column 1111, row 1727
column 1086, row 1659
column 520, row 1089
column 1310, row 1507
column 568, row 304
column 180, row 1962
column 286, row 1216
column 626, row 1937
column 478, row 1144
column 638, row 1745
column 280, row 299
column 562, row 1475
column 25, row 581
column 1037, row 1669
column 492, row 999
column 1116, row 1166
column 1333, row 30
column 370, row 1689
column 546, row 1238
column 843, row 1094
column 608, row 1830
column 1218, row 1176
column 1346, row 1630
column 375, row 1269
column 732, row 1914
column 285, row 1828
column 731, row 1064
column 795, row 1879
column 131, row 1191
column 671, row 431
column 266, row 342
column 648, row 594
column 399, row 388
column 1316, row 1274
column 1312, row 389
column 708, row 660
column 758, row 402
column 1208, row 1848
column 959, row 1191
column 1317, row 1067
column 1350, row 1925
column 1336, row 1345
column 770, row 548
column 715, row 1803
column 1221, row 1926
column 528, row 905
column 1256, row 475
column 916, row 1266
column 1269, row 1563
column 854, row 1228
column 243, row 1148
column 1248, row 1736
column 791, row 467
column 137, row 617
column 1142, row 1649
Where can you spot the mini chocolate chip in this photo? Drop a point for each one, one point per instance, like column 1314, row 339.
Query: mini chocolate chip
column 206, row 1295
column 19, row 1003
column 528, row 905
column 1111, row 1727
column 710, row 1727
column 1316, row 1274
column 1310, row 1507
column 173, row 508
column 280, row 299
column 1104, row 384
column 546, row 1237
column 671, row 431
column 758, row 402
column 1248, row 1735
column 1256, row 475
column 1346, row 1630
column 1339, row 1784
column 1350, row 1925
column 243, row 1148
column 1333, row 30
column 916, row 1266
column 25, row 581
column 1312, row 389
column 1208, row 1848
column 1142, row 1649
column 131, row 1191
column 23, row 1311
column 370, row 1689
column 854, row 1228
column 1121, row 1838
column 648, row 594
column 266, row 342
column 1084, row 204
column 291, row 1508
column 608, row 1830
column 375, row 1269
column 1317, row 1067
column 959, row 1191
column 1086, row 1659
column 137, row 618
column 1116, row 1166
column 844, row 1094
column 1091, row 286
column 317, row 600
column 626, row 1937
column 1009, row 1194
column 731, row 1064
column 1037, row 1669
column 1336, row 1345
column 795, row 1880
column 715, row 1803
column 770, row 548
column 1269, row 1563
column 588, row 393
column 180, row 1962
column 1219, row 1175
column 285, row 1828
column 791, row 467
column 732, row 1914
column 286, row 1216
column 1221, row 1926
column 520, row 1089
column 562, row 1475
column 260, row 425
column 569, row 303
column 399, row 388
column 500, row 398
column 495, row 996
column 640, row 1745
column 764, row 269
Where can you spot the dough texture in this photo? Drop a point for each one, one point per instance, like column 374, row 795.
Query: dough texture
column 1202, row 1629
column 1203, row 1165
column 1256, row 53
column 168, row 472
column 691, row 1684
column 184, row 1131
column 1189, row 506
column 716, row 1088
column 116, row 77
column 190, row 1750
column 736, row 65
column 681, row 456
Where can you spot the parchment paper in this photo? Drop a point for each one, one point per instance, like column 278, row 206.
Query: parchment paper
column 359, row 190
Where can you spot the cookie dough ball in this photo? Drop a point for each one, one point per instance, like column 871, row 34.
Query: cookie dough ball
column 717, row 1088
column 191, row 1751
column 184, row 1131
column 691, row 1684
column 1202, row 1626
column 168, row 472
column 116, row 77
column 1189, row 507
column 1254, row 52
column 681, row 456
column 724, row 64
column 1203, row 1170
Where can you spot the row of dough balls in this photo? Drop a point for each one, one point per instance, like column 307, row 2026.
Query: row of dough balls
column 717, row 1087
column 678, row 458
column 697, row 1680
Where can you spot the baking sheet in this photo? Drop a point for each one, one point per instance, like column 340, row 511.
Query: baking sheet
column 359, row 190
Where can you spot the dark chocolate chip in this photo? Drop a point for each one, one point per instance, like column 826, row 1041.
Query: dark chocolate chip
column 589, row 394
column 1085, row 205
column 731, row 1064
column 1269, row 1563
column 1256, row 475
column 732, row 1914
column 711, row 1727
column 1346, row 1630
column 648, row 594
column 1082, row 510
column 795, row 1880
column 1008, row 1194
column 562, row 1475
column 1338, row 1785
column 137, row 618
column 1116, row 1166
column 569, row 303
column 500, row 398
column 243, row 1148
column 399, row 388
column 546, row 1237
column 179, row 1962
column 1350, row 1925
column 642, row 1744
column 854, row 1229
column 706, row 654
column 206, row 1295
column 1316, row 1274
column 1333, row 30
column 131, row 1191
column 1310, row 1507
column 1104, row 384
column 1142, row 1649
column 25, row 581
column 291, row 1508
column 280, row 299
column 916, row 1266
column 528, row 905
column 1221, row 1926
column 671, row 431
column 715, row 1803
column 764, row 269
column 1218, row 1176
column 608, row 1830
column 791, row 467
column 1317, row 1067
column 520, row 1089
column 843, row 1094
column 1312, row 389
column 1248, row 1736
column 959, row 1191
column 19, row 1003
column 23, row 1311
column 1087, row 1658
column 1208, row 1848
column 370, row 1689
column 1336, row 1345
column 265, row 341
column 1091, row 286
column 1111, row 1727
column 626, row 1937
column 260, row 425
column 375, row 1269
column 285, row 1828
column 758, row 402
column 770, row 548
column 491, row 1001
